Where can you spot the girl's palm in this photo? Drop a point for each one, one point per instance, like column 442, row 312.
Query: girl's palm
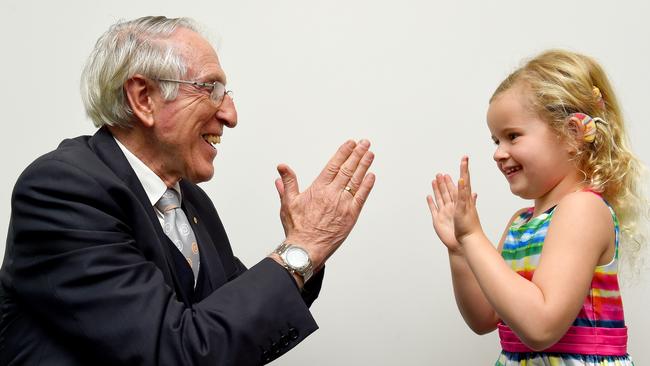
column 442, row 207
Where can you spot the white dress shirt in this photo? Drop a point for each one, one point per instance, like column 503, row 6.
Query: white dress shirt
column 153, row 186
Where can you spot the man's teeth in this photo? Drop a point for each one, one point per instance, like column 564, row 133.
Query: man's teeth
column 213, row 139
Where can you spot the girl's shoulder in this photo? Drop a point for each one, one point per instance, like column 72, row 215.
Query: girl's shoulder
column 585, row 210
column 585, row 202
column 585, row 220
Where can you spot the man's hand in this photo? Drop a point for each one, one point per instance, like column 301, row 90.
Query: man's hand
column 321, row 217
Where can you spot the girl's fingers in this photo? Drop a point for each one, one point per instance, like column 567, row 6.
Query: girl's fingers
column 444, row 190
column 461, row 192
column 451, row 188
column 432, row 207
column 436, row 192
column 464, row 189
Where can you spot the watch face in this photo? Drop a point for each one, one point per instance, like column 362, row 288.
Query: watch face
column 297, row 257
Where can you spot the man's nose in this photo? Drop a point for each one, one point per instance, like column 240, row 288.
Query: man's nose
column 227, row 113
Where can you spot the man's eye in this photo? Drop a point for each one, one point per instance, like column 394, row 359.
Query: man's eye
column 495, row 141
column 513, row 136
column 207, row 86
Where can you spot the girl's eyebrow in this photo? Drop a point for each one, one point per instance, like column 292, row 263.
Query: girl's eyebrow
column 510, row 128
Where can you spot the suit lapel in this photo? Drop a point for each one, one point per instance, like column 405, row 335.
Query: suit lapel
column 104, row 145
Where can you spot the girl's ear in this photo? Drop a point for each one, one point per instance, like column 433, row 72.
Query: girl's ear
column 576, row 134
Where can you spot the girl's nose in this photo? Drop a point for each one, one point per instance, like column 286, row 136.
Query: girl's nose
column 500, row 153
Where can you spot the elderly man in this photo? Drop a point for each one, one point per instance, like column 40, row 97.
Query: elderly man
column 116, row 257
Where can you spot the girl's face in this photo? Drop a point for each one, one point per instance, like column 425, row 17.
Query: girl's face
column 534, row 159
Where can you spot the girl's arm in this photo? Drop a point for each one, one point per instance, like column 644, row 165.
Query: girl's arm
column 580, row 237
column 472, row 303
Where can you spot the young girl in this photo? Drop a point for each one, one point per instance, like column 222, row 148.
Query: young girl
column 551, row 287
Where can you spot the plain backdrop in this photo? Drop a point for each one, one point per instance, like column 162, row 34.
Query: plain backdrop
column 414, row 77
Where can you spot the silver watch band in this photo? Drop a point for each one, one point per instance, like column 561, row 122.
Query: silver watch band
column 305, row 272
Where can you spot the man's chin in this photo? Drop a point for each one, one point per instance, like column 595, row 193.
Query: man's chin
column 200, row 177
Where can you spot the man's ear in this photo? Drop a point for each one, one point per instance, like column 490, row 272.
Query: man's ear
column 138, row 90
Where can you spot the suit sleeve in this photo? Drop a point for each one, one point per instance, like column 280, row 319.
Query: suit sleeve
column 76, row 267
column 309, row 291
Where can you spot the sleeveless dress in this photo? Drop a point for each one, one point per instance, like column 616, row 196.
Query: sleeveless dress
column 598, row 335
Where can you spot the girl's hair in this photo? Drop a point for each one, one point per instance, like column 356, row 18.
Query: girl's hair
column 563, row 82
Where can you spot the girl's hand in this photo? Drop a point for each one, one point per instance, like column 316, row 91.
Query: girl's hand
column 466, row 221
column 442, row 210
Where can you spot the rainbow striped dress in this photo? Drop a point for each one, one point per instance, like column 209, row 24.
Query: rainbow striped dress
column 598, row 335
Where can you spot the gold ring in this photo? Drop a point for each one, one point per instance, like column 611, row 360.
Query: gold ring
column 348, row 189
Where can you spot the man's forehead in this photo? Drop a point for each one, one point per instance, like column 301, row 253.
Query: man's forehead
column 200, row 57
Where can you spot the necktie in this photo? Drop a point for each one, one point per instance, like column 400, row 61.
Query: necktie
column 178, row 229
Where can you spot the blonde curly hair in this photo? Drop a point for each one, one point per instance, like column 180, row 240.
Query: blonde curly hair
column 564, row 82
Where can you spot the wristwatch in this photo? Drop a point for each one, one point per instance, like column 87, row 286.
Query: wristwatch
column 296, row 260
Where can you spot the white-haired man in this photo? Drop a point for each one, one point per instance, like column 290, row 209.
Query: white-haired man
column 116, row 257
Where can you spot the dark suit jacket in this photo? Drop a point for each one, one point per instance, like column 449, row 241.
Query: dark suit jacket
column 89, row 277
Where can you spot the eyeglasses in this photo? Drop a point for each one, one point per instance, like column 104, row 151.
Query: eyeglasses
column 218, row 89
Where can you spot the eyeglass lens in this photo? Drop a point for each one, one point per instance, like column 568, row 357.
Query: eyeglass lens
column 218, row 92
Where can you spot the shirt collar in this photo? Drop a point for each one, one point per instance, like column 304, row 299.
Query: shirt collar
column 153, row 186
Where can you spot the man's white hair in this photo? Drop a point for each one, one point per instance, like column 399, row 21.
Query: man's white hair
column 128, row 48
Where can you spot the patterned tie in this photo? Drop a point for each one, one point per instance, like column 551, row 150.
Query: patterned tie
column 178, row 229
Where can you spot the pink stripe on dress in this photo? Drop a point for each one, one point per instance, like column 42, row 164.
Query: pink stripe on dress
column 577, row 340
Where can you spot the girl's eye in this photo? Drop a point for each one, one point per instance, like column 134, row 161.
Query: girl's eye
column 495, row 141
column 513, row 136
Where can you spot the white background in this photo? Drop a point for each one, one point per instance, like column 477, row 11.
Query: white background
column 414, row 77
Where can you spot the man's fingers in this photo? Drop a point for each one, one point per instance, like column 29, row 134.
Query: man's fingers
column 351, row 165
column 289, row 182
column 360, row 172
column 280, row 187
column 361, row 195
column 334, row 164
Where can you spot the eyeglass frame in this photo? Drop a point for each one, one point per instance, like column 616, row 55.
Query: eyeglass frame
column 213, row 85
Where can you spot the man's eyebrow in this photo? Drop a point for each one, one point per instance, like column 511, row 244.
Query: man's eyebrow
column 212, row 77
